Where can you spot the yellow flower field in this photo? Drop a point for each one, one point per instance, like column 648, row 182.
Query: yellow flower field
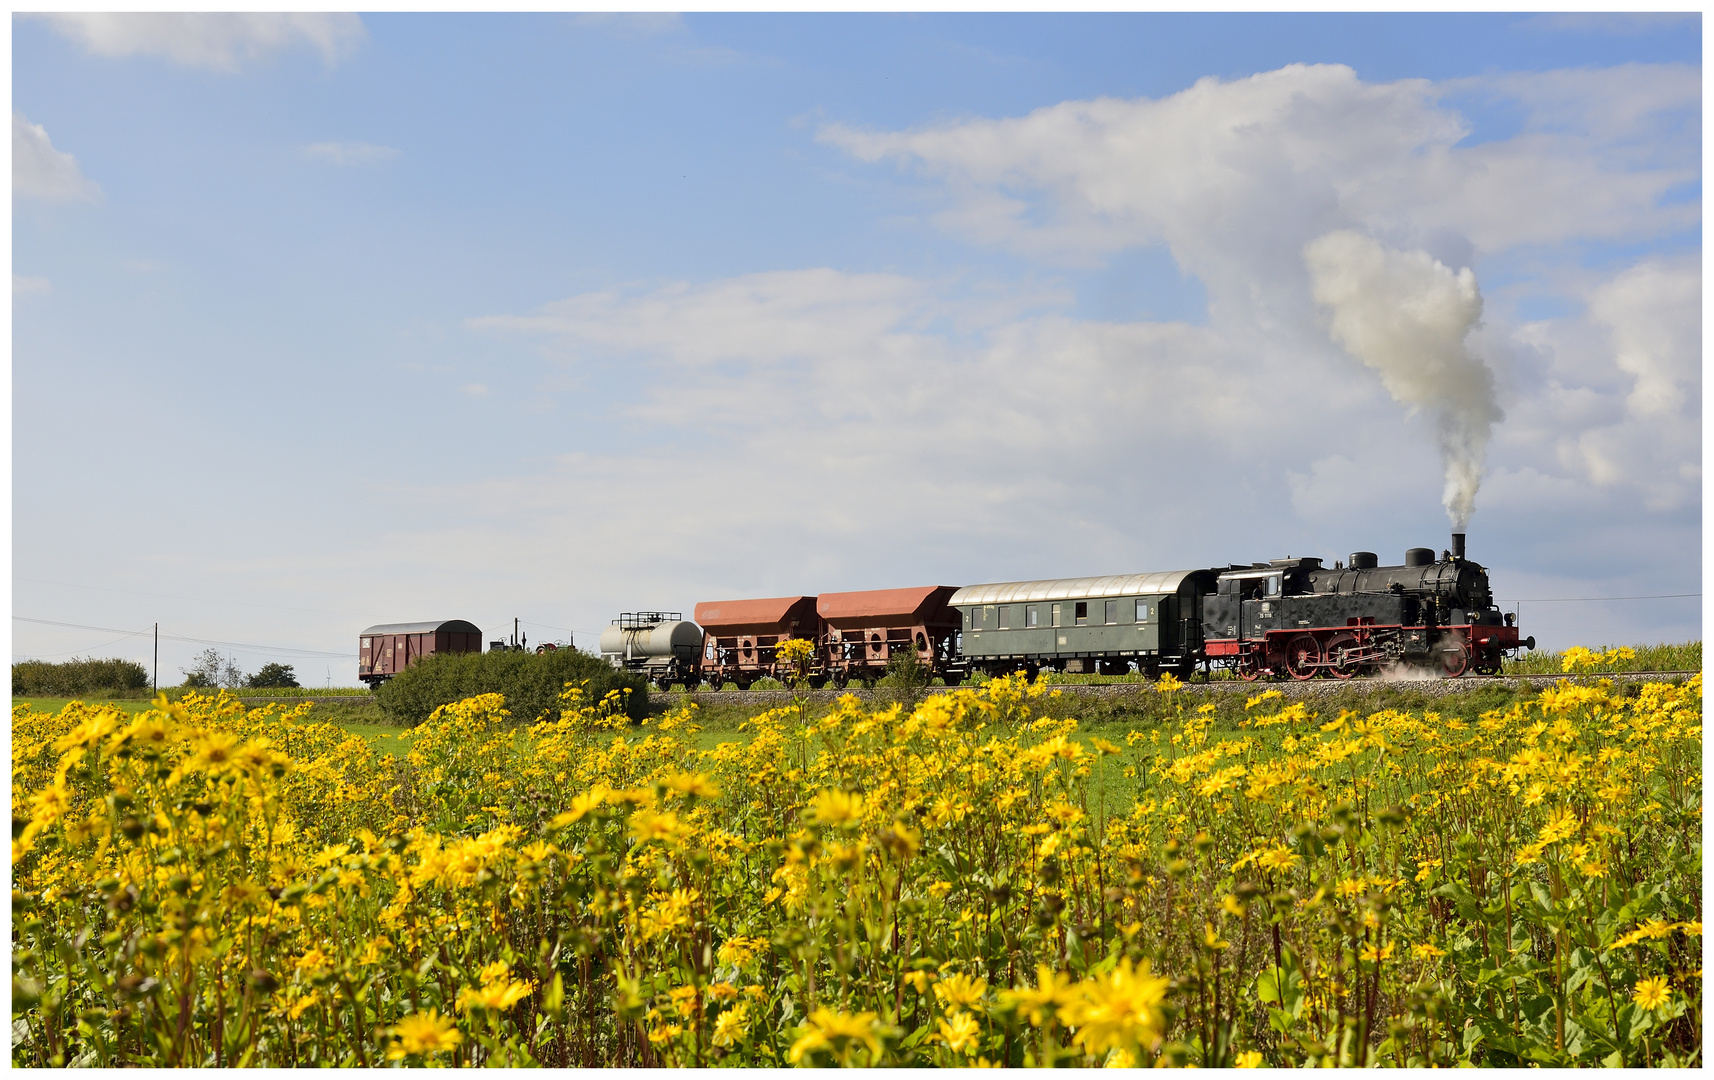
column 957, row 885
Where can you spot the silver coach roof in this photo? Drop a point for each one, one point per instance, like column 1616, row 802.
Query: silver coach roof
column 454, row 626
column 1076, row 588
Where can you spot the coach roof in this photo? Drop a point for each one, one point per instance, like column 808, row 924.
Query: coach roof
column 1010, row 592
column 451, row 626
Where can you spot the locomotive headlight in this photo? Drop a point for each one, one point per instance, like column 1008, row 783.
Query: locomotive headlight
column 1511, row 619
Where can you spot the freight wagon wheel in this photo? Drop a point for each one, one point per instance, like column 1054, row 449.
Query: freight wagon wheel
column 715, row 682
column 841, row 679
column 1302, row 656
column 1454, row 657
column 1338, row 646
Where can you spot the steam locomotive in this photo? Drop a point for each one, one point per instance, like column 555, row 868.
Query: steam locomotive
column 1286, row 618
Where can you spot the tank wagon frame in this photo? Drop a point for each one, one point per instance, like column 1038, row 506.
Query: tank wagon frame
column 660, row 645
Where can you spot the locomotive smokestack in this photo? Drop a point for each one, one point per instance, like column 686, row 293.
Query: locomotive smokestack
column 1458, row 545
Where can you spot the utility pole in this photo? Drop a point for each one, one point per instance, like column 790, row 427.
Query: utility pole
column 155, row 679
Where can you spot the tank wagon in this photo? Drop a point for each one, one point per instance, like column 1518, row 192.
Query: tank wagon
column 659, row 645
column 385, row 650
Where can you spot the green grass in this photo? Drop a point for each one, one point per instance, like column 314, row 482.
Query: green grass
column 1686, row 656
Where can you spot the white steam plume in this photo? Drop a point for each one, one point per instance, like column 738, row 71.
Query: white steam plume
column 1406, row 315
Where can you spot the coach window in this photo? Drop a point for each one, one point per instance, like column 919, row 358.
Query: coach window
column 1005, row 616
column 1032, row 615
column 1142, row 611
column 1082, row 612
column 1112, row 612
column 1054, row 615
column 988, row 617
column 1274, row 585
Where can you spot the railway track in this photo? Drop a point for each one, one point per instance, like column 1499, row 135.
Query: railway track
column 1436, row 687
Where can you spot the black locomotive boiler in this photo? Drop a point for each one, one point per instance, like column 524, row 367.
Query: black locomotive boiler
column 1297, row 618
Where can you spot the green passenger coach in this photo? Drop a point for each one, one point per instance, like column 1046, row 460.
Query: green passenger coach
column 1093, row 624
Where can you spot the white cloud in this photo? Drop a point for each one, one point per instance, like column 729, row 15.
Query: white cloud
column 1237, row 177
column 41, row 172
column 24, row 285
column 217, row 41
column 350, row 153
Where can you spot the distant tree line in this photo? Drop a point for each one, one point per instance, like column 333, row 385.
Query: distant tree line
column 210, row 670
column 88, row 675
column 74, row 677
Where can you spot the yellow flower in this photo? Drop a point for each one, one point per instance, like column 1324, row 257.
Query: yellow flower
column 732, row 1025
column 1279, row 857
column 840, row 1033
column 837, row 808
column 1118, row 1010
column 1425, row 951
column 956, row 991
column 919, row 980
column 495, row 997
column 423, row 1033
column 739, row 951
column 498, row 971
column 1052, row 990
column 1249, row 1059
column 1652, row 993
column 960, row 1032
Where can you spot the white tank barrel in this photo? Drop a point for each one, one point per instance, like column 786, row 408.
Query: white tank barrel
column 648, row 641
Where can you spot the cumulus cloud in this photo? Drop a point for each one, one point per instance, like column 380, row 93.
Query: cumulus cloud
column 25, row 284
column 217, row 41
column 350, row 153
column 1235, row 176
column 39, row 171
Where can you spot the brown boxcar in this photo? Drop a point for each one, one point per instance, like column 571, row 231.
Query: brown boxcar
column 864, row 630
column 384, row 651
column 739, row 636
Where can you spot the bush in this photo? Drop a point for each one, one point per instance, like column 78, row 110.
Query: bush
column 273, row 675
column 210, row 670
column 906, row 678
column 531, row 683
column 75, row 677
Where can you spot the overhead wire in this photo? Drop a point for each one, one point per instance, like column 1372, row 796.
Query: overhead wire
column 244, row 646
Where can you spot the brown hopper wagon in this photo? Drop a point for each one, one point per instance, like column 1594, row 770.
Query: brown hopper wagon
column 384, row 651
column 865, row 630
column 739, row 636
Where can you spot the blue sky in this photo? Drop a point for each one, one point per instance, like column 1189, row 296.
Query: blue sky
column 326, row 321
